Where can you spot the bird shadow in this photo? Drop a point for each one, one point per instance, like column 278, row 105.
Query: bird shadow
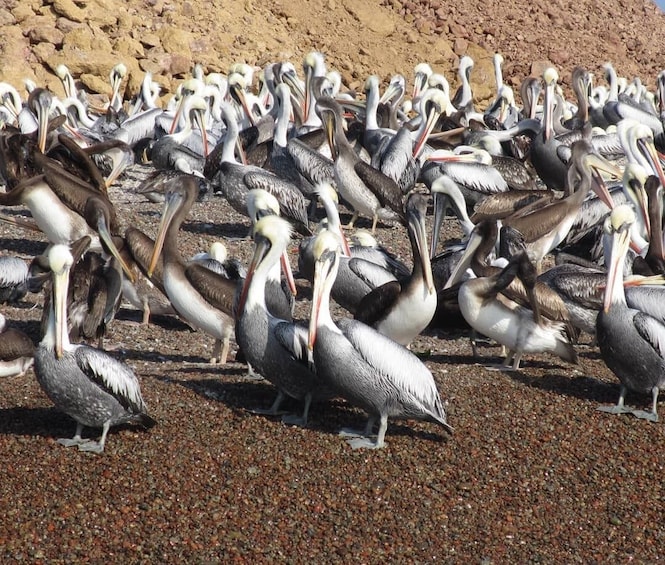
column 47, row 423
column 582, row 387
column 22, row 246
column 327, row 416
column 227, row 230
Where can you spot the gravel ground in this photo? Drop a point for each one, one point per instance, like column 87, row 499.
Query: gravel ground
column 532, row 473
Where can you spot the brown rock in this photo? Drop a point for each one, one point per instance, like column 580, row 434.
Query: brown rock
column 43, row 51
column 66, row 25
column 148, row 39
column 180, row 64
column 22, row 12
column 69, row 10
column 47, row 34
column 6, row 17
column 175, row 40
column 129, row 47
column 378, row 21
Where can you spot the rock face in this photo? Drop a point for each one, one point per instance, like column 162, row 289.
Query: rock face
column 383, row 37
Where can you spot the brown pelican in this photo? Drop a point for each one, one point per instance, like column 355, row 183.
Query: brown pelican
column 88, row 385
column 273, row 347
column 16, row 350
column 545, row 227
column 631, row 341
column 401, row 310
column 203, row 298
column 520, row 329
column 365, row 367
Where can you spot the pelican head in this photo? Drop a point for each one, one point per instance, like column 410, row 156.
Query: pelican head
column 261, row 203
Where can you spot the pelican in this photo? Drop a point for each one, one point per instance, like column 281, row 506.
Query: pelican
column 273, row 347
column 364, row 366
column 92, row 387
column 16, row 350
column 520, row 329
column 401, row 310
column 631, row 341
column 196, row 293
column 366, row 189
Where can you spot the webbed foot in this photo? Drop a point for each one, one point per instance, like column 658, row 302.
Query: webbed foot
column 645, row 415
column 615, row 409
column 363, row 443
column 92, row 447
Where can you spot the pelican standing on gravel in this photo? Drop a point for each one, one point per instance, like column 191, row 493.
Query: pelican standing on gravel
column 275, row 348
column 631, row 341
column 203, row 298
column 364, row 366
column 85, row 383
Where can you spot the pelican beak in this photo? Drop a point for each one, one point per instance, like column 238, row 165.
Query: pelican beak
column 620, row 242
column 307, row 98
column 240, row 93
column 475, row 238
column 178, row 111
column 440, row 206
column 598, row 164
column 329, row 128
column 432, row 117
column 288, row 272
column 172, row 203
column 419, row 231
column 260, row 251
column 390, row 91
column 198, row 118
column 636, row 190
column 42, row 126
column 418, row 85
column 322, row 269
column 60, row 289
column 648, row 149
column 107, row 239
column 119, row 165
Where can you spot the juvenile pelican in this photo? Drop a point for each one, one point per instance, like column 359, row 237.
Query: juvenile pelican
column 85, row 383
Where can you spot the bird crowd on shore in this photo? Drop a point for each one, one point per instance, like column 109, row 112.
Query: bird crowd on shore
column 559, row 203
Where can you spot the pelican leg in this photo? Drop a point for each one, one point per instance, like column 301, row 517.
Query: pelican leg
column 375, row 220
column 653, row 415
column 146, row 314
column 294, row 419
column 619, row 407
column 97, row 446
column 220, row 351
column 367, row 432
column 366, row 443
column 352, row 221
column 274, row 409
column 76, row 440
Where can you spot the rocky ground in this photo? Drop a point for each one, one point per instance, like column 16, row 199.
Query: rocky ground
column 532, row 473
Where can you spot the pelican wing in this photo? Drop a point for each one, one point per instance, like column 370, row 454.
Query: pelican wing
column 477, row 176
column 372, row 274
column 373, row 305
column 316, row 168
column 396, row 363
column 294, row 339
column 111, row 375
column 651, row 330
column 648, row 299
column 292, row 203
column 216, row 289
column 15, row 344
column 383, row 187
column 13, row 271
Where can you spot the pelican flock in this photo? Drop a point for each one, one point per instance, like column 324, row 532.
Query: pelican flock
column 574, row 180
